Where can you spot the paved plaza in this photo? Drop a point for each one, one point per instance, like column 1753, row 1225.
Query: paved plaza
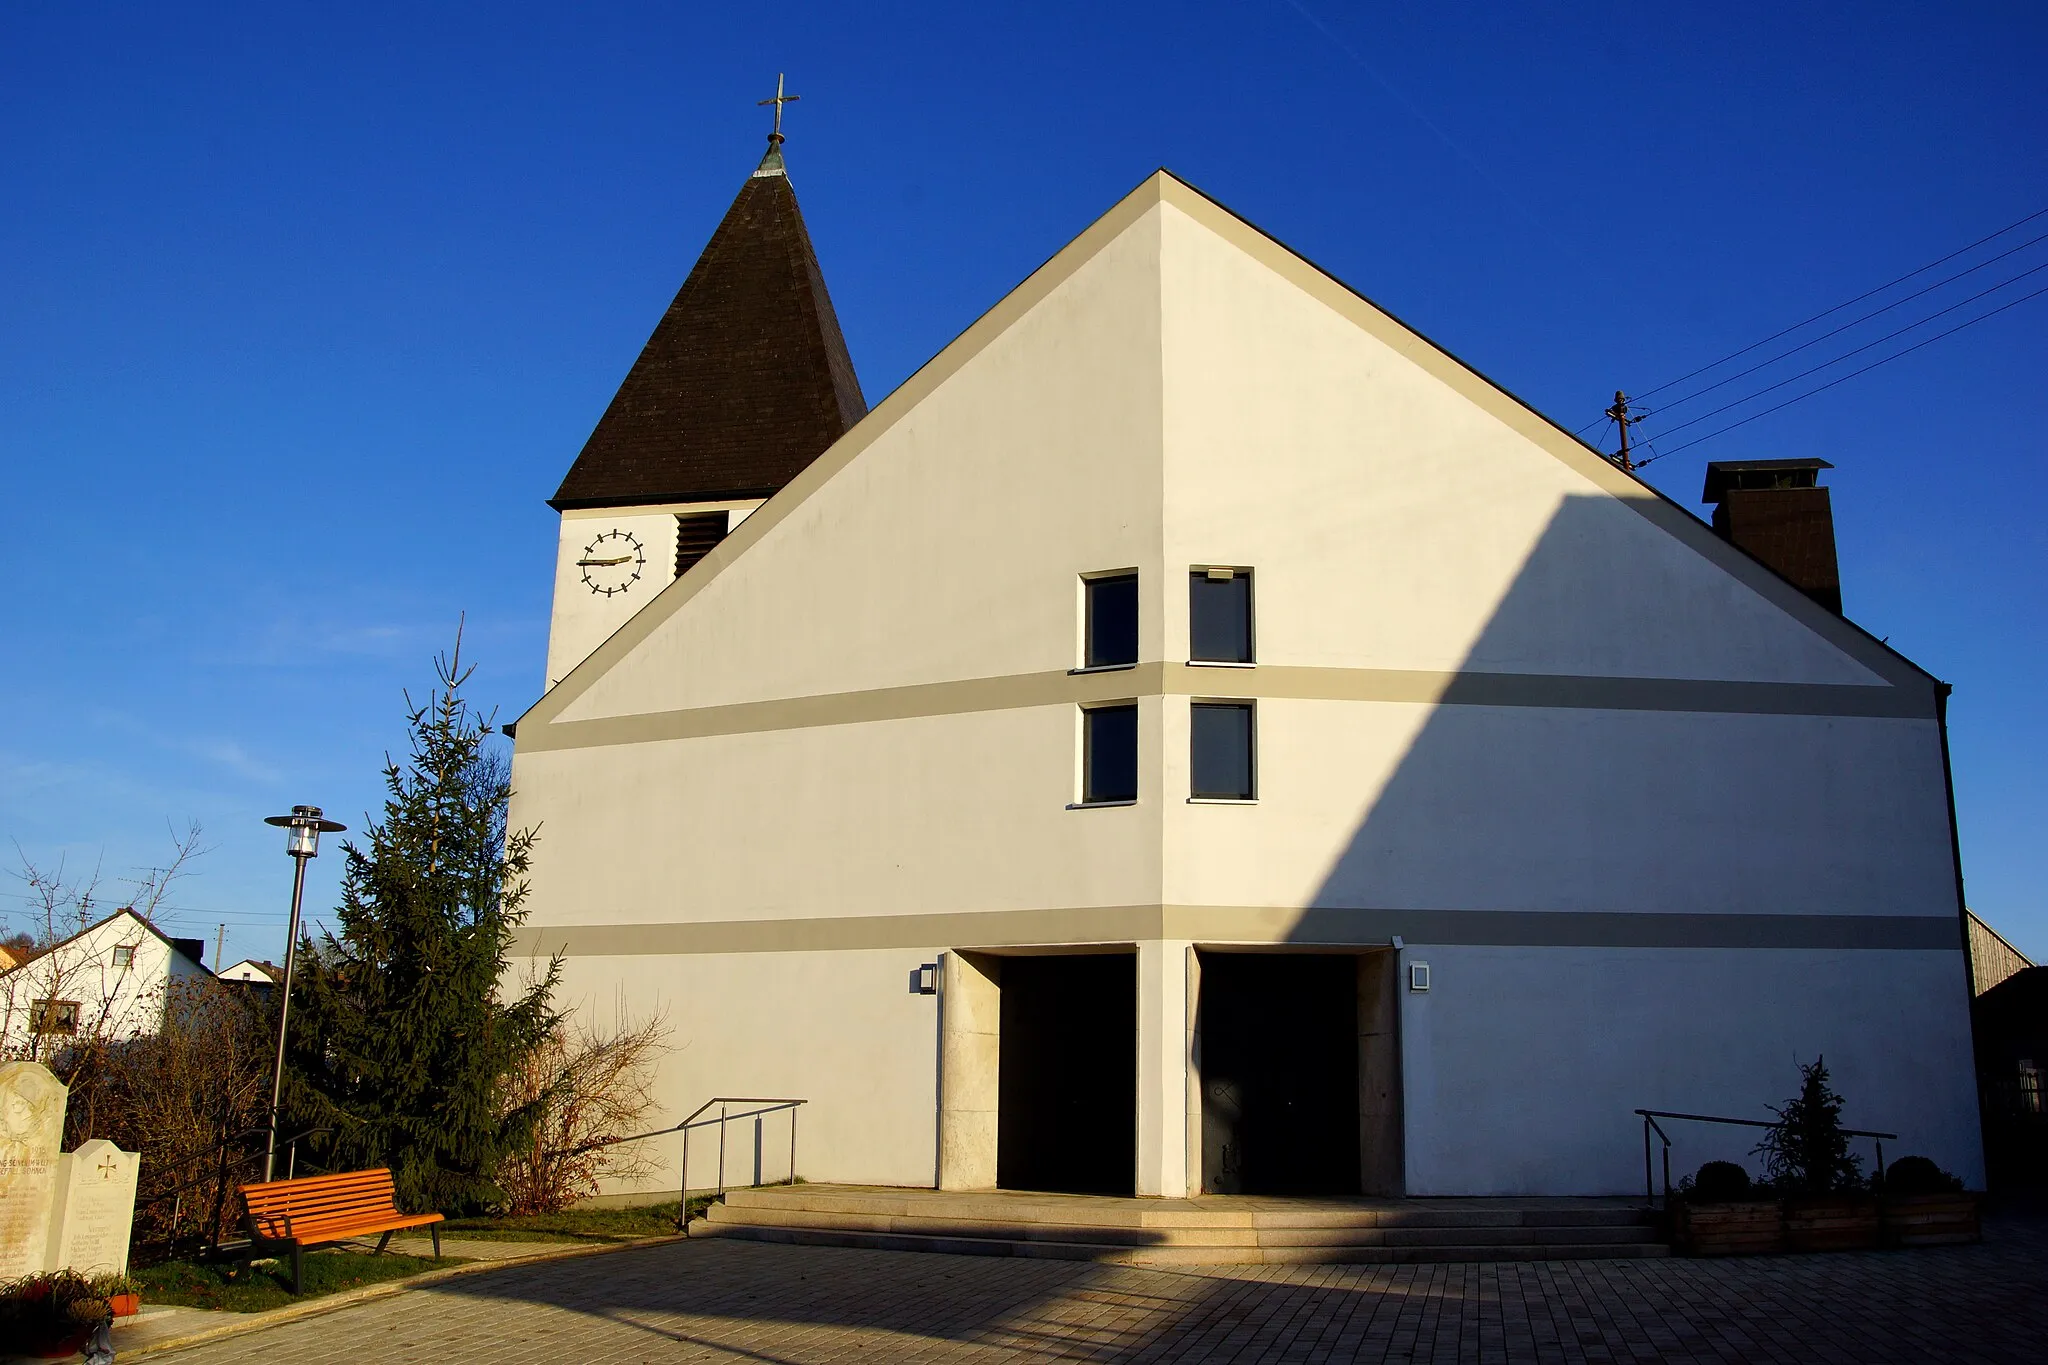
column 726, row 1300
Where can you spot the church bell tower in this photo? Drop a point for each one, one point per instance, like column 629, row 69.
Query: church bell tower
column 745, row 381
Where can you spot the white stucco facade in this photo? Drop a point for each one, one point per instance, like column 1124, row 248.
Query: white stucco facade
column 111, row 980
column 1659, row 825
column 593, row 600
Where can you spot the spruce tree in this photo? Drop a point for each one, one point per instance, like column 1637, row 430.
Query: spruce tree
column 405, row 1024
column 1808, row 1152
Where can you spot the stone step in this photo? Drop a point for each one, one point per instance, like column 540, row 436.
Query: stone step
column 1082, row 1211
column 1175, row 1254
column 1009, row 1229
column 786, row 1215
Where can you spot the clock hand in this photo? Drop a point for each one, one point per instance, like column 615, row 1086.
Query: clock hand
column 602, row 563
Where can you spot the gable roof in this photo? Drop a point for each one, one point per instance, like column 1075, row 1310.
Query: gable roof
column 1162, row 187
column 746, row 379
column 175, row 944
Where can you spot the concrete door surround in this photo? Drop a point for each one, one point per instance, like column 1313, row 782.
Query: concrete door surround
column 1167, row 1036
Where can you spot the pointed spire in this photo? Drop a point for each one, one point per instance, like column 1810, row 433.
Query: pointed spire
column 746, row 379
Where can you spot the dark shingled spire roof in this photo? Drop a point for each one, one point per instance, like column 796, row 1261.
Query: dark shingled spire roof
column 746, row 379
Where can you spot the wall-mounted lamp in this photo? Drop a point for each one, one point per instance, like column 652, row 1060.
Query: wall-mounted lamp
column 1418, row 976
column 924, row 980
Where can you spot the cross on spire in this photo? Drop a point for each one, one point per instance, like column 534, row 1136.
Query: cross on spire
column 775, row 138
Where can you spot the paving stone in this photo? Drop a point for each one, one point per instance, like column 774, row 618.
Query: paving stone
column 790, row 1305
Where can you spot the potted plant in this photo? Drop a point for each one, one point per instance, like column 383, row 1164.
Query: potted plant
column 1718, row 1211
column 51, row 1315
column 1921, row 1205
column 123, row 1294
column 1807, row 1160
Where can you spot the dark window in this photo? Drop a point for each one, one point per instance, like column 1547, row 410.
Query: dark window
column 1112, row 626
column 1221, row 761
column 1109, row 753
column 55, row 1016
column 696, row 533
column 1220, row 616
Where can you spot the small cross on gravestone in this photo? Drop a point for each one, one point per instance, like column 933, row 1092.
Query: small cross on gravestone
column 95, row 1209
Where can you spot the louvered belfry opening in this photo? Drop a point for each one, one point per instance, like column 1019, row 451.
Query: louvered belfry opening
column 696, row 533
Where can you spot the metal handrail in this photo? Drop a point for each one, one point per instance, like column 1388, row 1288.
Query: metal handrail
column 696, row 1120
column 725, row 1115
column 210, row 1153
column 1650, row 1117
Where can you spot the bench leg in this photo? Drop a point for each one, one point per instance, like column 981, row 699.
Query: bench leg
column 381, row 1243
column 298, row 1269
column 435, row 1228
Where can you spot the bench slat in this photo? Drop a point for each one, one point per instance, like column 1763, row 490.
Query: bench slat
column 326, row 1208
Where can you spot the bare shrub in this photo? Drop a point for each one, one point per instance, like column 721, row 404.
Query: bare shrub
column 587, row 1087
column 192, row 1098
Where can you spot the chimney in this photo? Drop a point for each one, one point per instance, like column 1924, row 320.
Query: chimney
column 1777, row 511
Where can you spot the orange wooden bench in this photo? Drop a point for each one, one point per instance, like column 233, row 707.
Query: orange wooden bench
column 320, row 1210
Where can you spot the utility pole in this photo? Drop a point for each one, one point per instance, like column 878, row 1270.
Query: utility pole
column 1619, row 412
column 220, row 937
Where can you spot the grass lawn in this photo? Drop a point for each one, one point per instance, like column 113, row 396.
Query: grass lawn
column 574, row 1225
column 191, row 1284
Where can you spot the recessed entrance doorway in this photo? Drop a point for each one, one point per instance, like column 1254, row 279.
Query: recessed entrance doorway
column 1279, row 1058
column 1068, row 1091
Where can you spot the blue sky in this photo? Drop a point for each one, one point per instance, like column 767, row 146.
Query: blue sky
column 304, row 311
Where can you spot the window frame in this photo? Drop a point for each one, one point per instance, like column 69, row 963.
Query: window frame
column 1085, row 741
column 1250, row 707
column 1251, row 615
column 1088, row 585
column 124, row 963
column 43, row 1018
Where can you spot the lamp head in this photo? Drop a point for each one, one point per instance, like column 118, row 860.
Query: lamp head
column 303, row 827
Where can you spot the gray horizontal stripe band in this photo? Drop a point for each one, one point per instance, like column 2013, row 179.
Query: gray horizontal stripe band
column 1248, row 924
column 1545, row 690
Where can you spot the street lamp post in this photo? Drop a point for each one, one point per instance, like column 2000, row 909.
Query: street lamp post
column 305, row 825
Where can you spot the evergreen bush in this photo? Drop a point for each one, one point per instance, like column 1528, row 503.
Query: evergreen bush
column 1717, row 1182
column 1918, row 1175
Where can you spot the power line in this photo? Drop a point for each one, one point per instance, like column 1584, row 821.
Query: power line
column 1815, row 369
column 1857, row 322
column 1846, row 304
column 1843, row 379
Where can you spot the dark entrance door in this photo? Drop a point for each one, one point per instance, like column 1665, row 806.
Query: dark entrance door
column 1067, row 1104
column 1279, row 1040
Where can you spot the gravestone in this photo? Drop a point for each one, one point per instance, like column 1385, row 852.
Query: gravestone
column 31, row 1129
column 94, row 1209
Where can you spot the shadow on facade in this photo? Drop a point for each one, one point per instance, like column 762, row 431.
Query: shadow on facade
column 1507, row 796
column 1517, row 820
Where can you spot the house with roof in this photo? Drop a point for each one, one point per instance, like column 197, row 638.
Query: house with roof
column 110, row 980
column 252, row 971
column 1197, row 734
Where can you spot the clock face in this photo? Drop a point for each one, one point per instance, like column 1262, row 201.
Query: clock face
column 612, row 563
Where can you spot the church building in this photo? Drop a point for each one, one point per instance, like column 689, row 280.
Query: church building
column 1196, row 734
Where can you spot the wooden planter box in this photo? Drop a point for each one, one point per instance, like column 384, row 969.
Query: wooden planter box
column 1929, row 1220
column 1747, row 1227
column 1831, row 1222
